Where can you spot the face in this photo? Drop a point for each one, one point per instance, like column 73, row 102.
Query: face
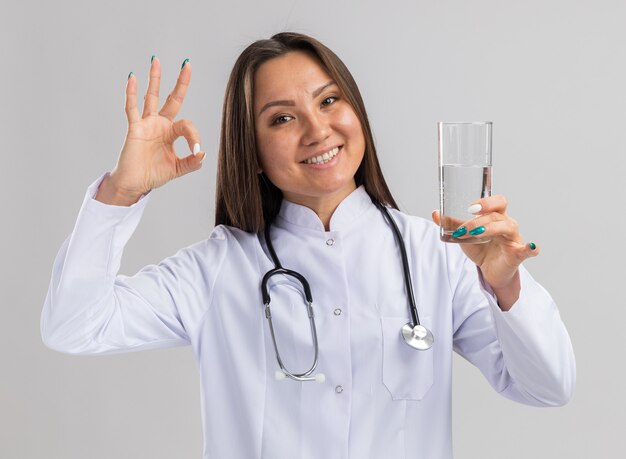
column 310, row 141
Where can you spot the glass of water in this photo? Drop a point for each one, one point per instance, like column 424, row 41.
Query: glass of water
column 464, row 174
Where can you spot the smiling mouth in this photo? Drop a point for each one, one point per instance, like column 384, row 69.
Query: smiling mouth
column 323, row 158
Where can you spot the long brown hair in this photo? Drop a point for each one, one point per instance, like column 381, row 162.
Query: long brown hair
column 246, row 199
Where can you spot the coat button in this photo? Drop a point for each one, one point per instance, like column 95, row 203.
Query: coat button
column 337, row 312
column 339, row 389
column 330, row 242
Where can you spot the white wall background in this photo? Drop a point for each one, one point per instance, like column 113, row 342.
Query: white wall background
column 549, row 74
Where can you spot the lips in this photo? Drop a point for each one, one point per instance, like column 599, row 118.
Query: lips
column 324, row 157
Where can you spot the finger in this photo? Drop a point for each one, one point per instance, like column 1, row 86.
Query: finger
column 448, row 222
column 475, row 224
column 496, row 203
column 185, row 128
column 175, row 99
column 524, row 251
column 489, row 226
column 132, row 114
column 505, row 228
column 151, row 99
column 532, row 249
column 189, row 164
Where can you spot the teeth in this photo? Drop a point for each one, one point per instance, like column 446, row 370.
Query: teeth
column 323, row 158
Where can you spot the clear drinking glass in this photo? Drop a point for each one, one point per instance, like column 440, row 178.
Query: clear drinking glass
column 464, row 174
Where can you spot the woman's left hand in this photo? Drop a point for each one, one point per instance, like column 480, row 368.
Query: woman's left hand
column 499, row 258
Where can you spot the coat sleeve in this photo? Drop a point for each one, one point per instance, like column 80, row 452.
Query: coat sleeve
column 90, row 309
column 525, row 353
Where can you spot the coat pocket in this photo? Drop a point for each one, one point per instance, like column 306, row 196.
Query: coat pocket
column 407, row 372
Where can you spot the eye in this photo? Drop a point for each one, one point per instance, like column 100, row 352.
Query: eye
column 281, row 119
column 329, row 100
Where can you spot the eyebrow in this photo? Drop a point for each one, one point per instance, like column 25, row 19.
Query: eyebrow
column 291, row 103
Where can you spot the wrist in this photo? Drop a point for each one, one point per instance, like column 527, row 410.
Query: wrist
column 110, row 193
column 508, row 294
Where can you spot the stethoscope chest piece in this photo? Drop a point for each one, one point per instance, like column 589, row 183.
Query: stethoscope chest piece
column 418, row 336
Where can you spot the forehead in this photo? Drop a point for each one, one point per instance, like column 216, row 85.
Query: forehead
column 287, row 75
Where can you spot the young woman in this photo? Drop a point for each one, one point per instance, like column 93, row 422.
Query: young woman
column 300, row 188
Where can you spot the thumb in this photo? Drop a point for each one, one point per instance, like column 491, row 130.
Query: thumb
column 435, row 217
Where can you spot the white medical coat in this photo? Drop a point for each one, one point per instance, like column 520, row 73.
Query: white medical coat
column 381, row 398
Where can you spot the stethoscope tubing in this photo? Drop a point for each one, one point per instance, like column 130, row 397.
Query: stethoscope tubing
column 414, row 334
column 405, row 262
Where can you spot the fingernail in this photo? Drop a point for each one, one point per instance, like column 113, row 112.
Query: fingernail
column 474, row 208
column 152, row 58
column 477, row 231
column 202, row 155
column 196, row 149
column 532, row 246
column 129, row 75
column 460, row 232
column 184, row 62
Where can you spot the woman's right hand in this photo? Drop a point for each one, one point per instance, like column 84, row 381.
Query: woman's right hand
column 148, row 159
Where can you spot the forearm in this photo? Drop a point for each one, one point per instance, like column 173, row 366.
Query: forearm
column 83, row 274
column 536, row 347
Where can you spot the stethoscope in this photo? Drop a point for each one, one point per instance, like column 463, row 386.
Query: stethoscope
column 415, row 335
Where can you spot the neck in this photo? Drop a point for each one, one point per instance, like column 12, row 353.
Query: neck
column 325, row 213
column 324, row 206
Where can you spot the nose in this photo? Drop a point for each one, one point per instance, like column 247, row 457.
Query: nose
column 317, row 129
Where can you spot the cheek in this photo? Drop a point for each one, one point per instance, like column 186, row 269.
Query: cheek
column 352, row 127
column 272, row 149
column 265, row 147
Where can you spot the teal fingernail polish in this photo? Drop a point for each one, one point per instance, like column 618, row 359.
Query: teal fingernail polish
column 460, row 232
column 477, row 231
column 532, row 246
column 129, row 75
column 152, row 58
column 184, row 62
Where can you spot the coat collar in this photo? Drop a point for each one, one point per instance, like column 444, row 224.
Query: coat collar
column 353, row 206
